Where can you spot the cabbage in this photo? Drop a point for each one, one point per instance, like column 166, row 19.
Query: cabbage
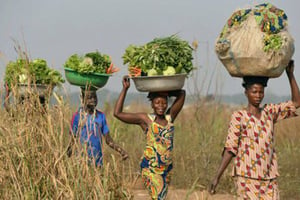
column 169, row 71
column 152, row 72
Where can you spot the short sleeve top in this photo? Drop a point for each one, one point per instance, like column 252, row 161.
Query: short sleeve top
column 251, row 140
column 90, row 128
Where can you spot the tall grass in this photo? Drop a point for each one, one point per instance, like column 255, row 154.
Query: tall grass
column 288, row 150
column 34, row 163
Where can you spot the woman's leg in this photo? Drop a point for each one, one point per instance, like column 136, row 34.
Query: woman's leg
column 156, row 184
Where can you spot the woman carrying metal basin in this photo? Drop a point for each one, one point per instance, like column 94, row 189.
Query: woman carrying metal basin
column 156, row 163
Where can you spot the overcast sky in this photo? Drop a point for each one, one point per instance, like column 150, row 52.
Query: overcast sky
column 56, row 29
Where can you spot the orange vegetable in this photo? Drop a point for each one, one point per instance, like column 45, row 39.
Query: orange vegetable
column 111, row 69
column 134, row 71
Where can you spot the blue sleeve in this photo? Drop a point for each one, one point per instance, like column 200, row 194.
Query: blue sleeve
column 104, row 126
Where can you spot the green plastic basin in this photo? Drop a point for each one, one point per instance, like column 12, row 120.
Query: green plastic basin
column 92, row 81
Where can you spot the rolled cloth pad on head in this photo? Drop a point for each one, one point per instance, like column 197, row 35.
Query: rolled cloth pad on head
column 249, row 80
column 153, row 95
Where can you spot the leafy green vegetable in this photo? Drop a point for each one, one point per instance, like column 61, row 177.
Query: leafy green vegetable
column 36, row 71
column 92, row 62
column 272, row 42
column 159, row 54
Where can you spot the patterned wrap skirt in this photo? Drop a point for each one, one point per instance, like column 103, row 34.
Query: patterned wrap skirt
column 156, row 180
column 248, row 188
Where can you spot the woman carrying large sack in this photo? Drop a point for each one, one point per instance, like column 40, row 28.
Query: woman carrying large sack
column 255, row 44
column 250, row 140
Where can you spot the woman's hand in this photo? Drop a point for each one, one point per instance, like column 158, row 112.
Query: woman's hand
column 174, row 93
column 177, row 104
column 7, row 90
column 126, row 82
column 213, row 185
column 290, row 68
column 124, row 154
column 293, row 83
column 6, row 99
column 227, row 156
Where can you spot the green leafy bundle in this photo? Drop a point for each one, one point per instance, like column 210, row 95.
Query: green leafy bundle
column 272, row 42
column 23, row 71
column 162, row 56
column 93, row 62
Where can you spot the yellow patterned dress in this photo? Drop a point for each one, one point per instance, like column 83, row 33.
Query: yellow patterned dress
column 157, row 159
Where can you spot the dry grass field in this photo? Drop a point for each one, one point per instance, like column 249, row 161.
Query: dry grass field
column 34, row 162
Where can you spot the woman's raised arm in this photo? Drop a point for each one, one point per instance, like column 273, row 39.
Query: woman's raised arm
column 177, row 104
column 293, row 83
column 131, row 118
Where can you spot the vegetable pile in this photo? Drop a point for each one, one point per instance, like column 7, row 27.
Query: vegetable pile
column 23, row 71
column 162, row 56
column 270, row 19
column 92, row 62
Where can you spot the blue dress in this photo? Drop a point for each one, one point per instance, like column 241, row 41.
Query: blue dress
column 90, row 128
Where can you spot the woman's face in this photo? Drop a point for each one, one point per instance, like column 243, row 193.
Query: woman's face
column 159, row 105
column 91, row 99
column 255, row 94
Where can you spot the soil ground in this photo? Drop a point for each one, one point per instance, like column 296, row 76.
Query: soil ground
column 178, row 194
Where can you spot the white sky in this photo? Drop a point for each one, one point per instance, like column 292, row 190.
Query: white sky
column 55, row 29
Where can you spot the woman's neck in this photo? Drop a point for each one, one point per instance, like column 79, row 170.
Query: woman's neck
column 89, row 110
column 160, row 116
column 254, row 110
column 161, row 119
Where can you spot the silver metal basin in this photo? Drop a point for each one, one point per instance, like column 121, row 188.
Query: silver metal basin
column 38, row 89
column 159, row 83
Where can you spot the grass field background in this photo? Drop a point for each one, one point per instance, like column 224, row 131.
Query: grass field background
column 34, row 162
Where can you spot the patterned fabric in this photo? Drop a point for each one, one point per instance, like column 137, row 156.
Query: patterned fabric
column 252, row 141
column 248, row 188
column 90, row 128
column 157, row 159
column 156, row 184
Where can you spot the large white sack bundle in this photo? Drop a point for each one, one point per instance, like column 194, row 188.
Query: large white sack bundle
column 255, row 42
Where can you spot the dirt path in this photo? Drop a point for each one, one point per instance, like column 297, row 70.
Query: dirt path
column 177, row 194
column 180, row 194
